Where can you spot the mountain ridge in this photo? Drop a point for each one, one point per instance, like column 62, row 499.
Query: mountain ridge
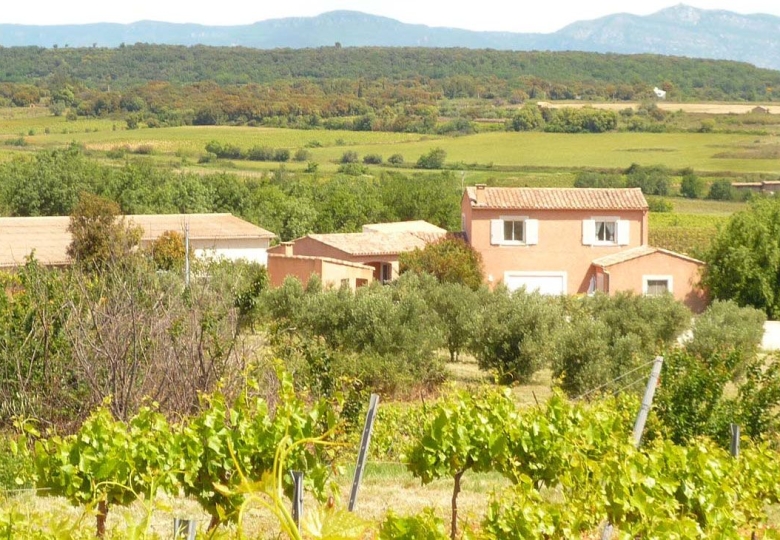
column 679, row 30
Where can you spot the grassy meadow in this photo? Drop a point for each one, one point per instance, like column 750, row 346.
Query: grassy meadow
column 493, row 153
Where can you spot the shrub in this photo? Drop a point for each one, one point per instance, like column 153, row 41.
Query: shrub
column 260, row 153
column 434, row 159
column 302, row 154
column 281, row 155
column 691, row 186
column 396, row 159
column 450, row 260
column 372, row 159
column 651, row 180
column 726, row 329
column 598, row 180
column 722, row 190
column 350, row 156
column 607, row 336
column 352, row 169
column 527, row 119
column 514, row 332
column 659, row 204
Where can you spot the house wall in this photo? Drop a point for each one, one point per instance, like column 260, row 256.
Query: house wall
column 310, row 247
column 332, row 272
column 630, row 275
column 559, row 247
column 250, row 249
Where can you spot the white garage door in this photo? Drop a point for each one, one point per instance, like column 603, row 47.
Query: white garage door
column 553, row 283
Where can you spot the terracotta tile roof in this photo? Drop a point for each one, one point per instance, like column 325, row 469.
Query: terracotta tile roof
column 637, row 252
column 49, row 236
column 377, row 243
column 418, row 226
column 559, row 198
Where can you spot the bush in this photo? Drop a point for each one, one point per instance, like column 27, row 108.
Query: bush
column 514, row 332
column 423, row 526
column 396, row 159
column 722, row 190
column 260, row 153
column 726, row 329
column 349, row 156
column 527, row 119
column 659, row 204
column 352, row 169
column 372, row 159
column 450, row 260
column 691, row 186
column 302, row 155
column 434, row 159
column 608, row 336
column 598, row 180
column 651, row 180
column 281, row 155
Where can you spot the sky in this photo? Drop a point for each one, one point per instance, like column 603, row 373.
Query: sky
column 498, row 15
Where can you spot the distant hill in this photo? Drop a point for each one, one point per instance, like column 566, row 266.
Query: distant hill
column 681, row 31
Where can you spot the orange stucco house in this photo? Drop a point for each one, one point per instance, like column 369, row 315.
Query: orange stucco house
column 350, row 259
column 574, row 241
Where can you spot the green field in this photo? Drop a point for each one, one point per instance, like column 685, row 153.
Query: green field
column 490, row 155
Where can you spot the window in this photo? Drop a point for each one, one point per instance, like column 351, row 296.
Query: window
column 606, row 231
column 514, row 231
column 656, row 285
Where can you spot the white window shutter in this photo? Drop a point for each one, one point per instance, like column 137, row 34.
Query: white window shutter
column 588, row 232
column 496, row 231
column 623, row 232
column 531, row 232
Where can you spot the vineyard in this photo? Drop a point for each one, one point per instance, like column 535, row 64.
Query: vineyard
column 570, row 467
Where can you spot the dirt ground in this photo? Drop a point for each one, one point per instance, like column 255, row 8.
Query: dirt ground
column 700, row 108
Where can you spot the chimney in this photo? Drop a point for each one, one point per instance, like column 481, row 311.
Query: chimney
column 480, row 188
column 288, row 248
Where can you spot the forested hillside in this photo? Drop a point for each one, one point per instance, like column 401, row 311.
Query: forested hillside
column 563, row 74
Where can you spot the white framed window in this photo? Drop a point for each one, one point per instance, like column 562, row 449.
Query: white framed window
column 657, row 285
column 514, row 231
column 606, row 231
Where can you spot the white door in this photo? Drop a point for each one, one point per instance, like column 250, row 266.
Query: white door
column 553, row 283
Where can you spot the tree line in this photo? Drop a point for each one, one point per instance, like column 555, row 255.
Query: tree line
column 288, row 204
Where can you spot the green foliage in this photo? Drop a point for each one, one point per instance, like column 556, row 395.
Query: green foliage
column 691, row 186
column 99, row 234
column 465, row 432
column 450, row 260
column 513, row 333
column 423, row 526
column 653, row 180
column 608, row 336
column 598, row 180
column 433, row 159
column 107, row 462
column 350, row 156
column 528, row 118
column 743, row 262
column 380, row 335
column 168, row 251
column 372, row 159
column 722, row 190
column 584, row 120
column 659, row 204
column 396, row 159
column 727, row 329
column 694, row 398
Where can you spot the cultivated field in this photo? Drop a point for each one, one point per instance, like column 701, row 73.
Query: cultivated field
column 492, row 153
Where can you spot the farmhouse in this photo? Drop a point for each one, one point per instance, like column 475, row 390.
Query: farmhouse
column 574, row 241
column 352, row 259
column 215, row 235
